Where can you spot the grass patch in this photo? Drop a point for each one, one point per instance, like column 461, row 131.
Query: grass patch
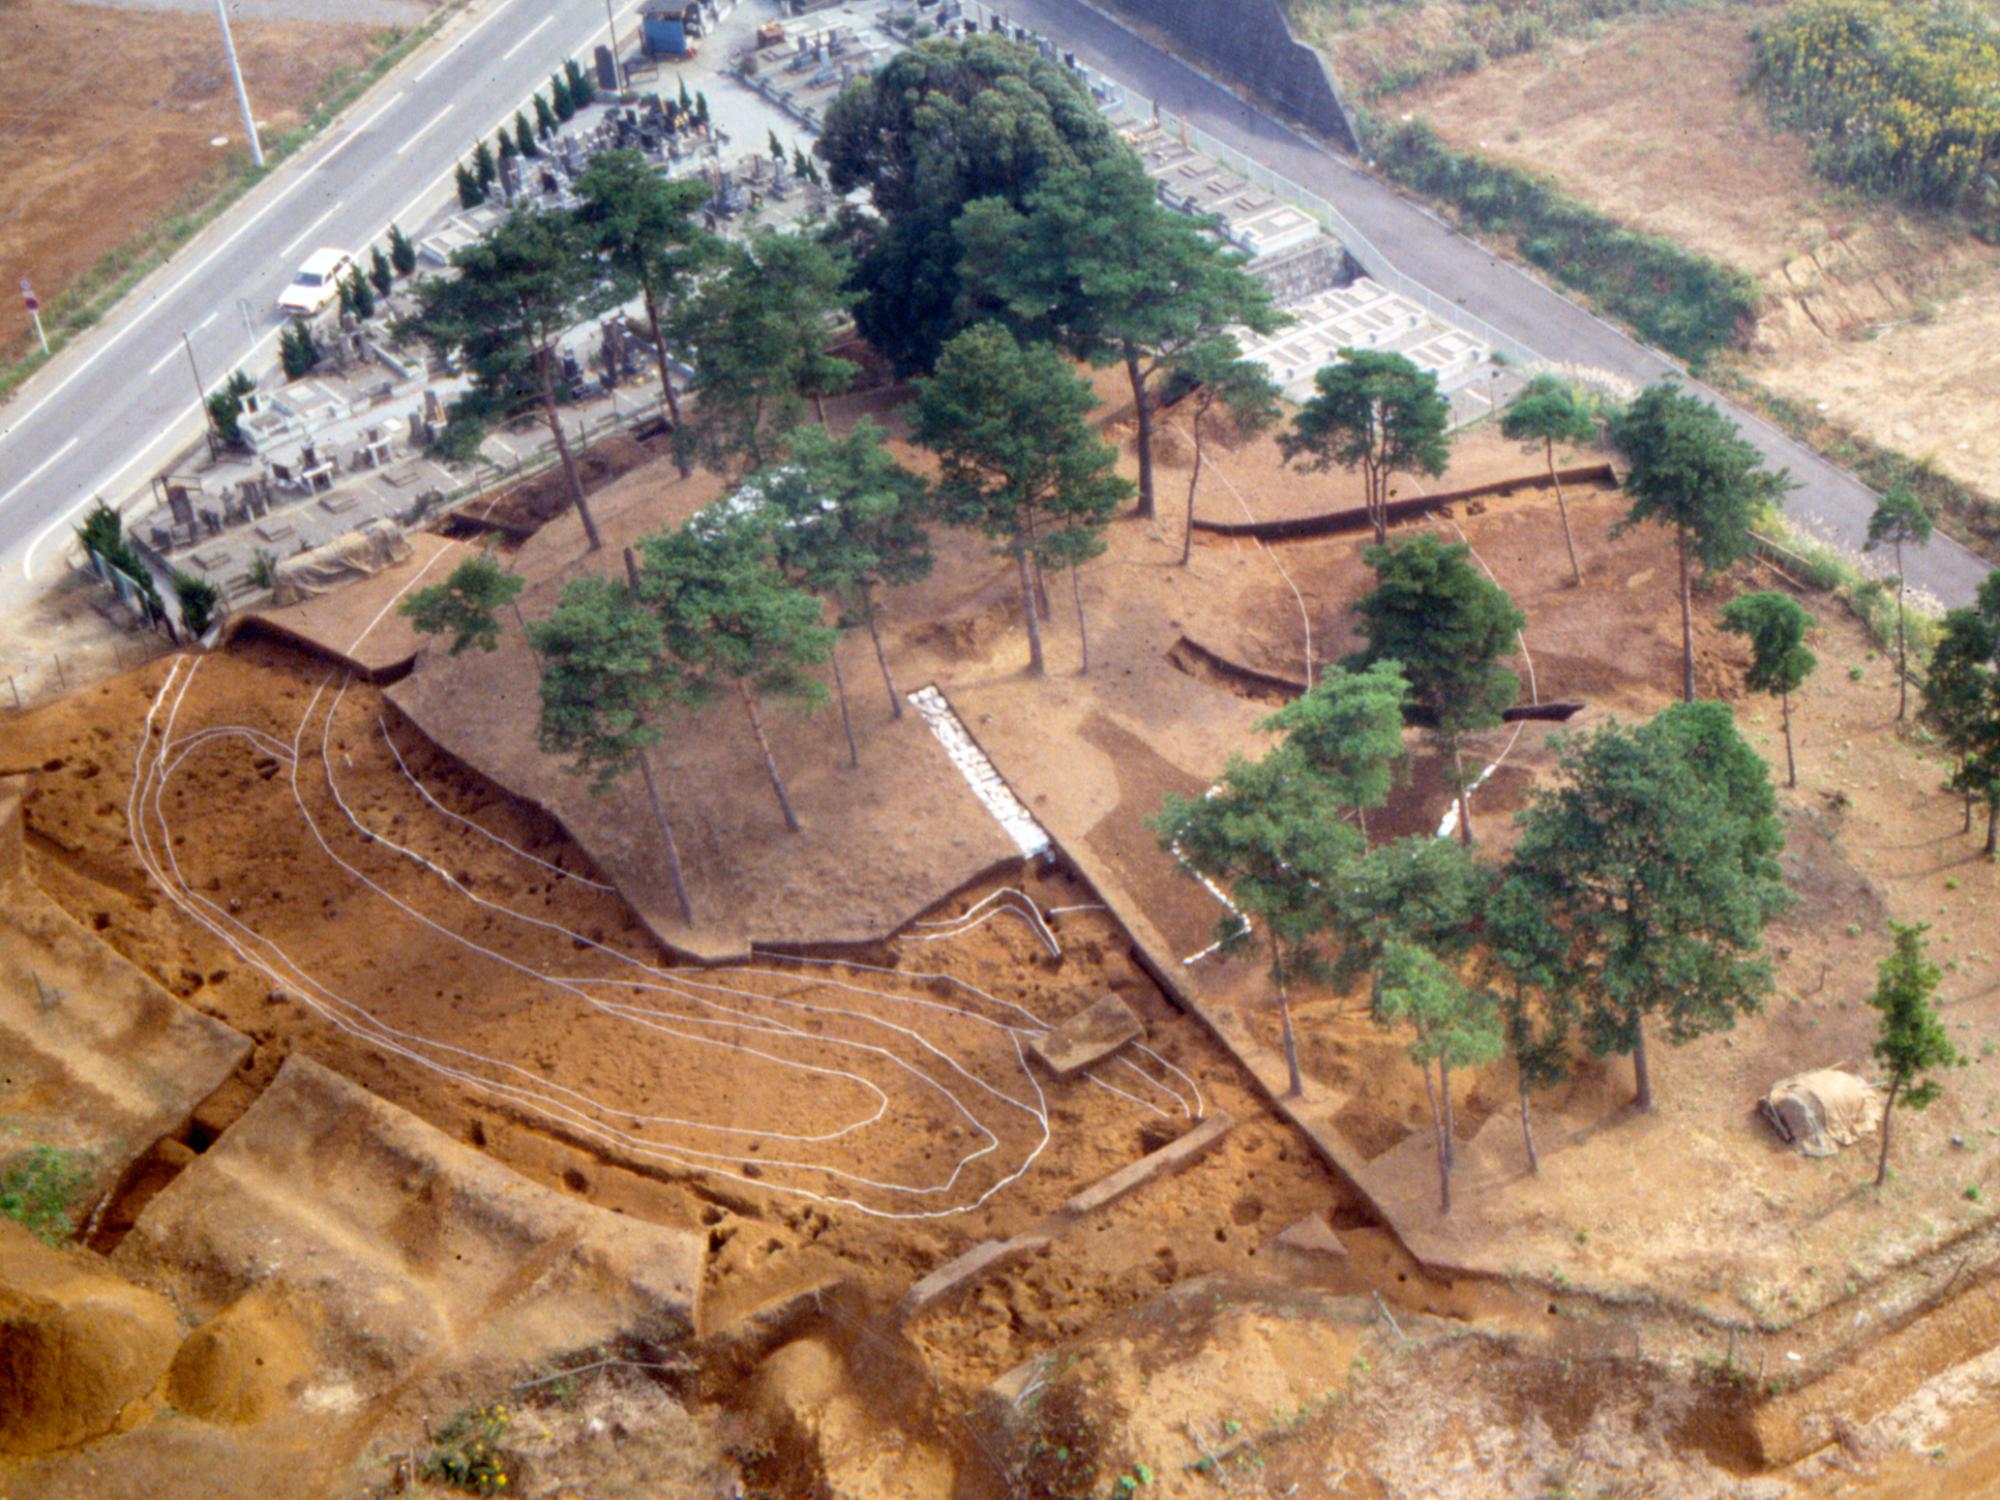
column 1479, row 33
column 1969, row 515
column 83, row 303
column 1684, row 303
column 39, row 1190
column 468, row 1455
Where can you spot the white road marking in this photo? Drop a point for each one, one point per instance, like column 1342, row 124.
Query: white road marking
column 546, row 21
column 306, row 233
column 355, row 134
column 205, row 322
column 435, row 121
column 463, row 39
column 29, row 478
column 160, row 363
column 111, row 340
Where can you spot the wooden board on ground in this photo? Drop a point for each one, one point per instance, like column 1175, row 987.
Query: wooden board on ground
column 1088, row 1038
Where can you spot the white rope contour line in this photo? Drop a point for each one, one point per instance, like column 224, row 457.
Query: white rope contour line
column 733, row 1018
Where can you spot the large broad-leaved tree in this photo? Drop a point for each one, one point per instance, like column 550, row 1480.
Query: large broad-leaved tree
column 941, row 125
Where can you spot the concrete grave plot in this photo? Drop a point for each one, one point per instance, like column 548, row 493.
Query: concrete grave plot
column 399, row 1252
column 95, row 1057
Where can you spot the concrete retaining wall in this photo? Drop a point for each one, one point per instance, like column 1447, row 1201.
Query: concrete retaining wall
column 1250, row 44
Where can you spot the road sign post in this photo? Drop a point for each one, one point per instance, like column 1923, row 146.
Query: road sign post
column 34, row 306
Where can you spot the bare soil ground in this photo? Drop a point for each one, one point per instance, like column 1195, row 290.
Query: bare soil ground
column 303, row 864
column 111, row 114
column 1883, row 315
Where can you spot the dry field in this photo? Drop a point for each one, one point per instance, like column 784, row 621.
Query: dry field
column 116, row 116
column 1886, row 317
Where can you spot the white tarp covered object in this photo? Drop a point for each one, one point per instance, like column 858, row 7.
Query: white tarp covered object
column 357, row 554
column 1822, row 1111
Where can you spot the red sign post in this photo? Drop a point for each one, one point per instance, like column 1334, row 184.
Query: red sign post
column 34, row 306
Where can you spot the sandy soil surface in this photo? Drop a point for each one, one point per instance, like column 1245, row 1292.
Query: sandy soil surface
column 114, row 127
column 1884, row 316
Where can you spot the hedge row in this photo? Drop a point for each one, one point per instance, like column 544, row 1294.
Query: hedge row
column 1684, row 303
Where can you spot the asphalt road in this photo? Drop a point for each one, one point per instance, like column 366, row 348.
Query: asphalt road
column 1426, row 249
column 123, row 397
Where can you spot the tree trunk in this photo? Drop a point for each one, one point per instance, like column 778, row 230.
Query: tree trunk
column 1361, row 817
column 1042, row 605
column 1993, row 825
column 1375, row 496
column 1888, row 1111
column 1642, row 1074
column 882, row 657
column 1528, row 1128
column 770, row 761
column 1902, row 647
column 666, row 378
column 1035, row 662
column 1464, row 804
column 1143, row 413
column 1295, row 1083
column 1438, row 1135
column 1687, row 625
column 1785, row 716
column 1963, row 767
column 1194, row 481
column 1450, row 1120
column 819, row 407
column 667, row 836
column 1082, row 630
column 549, row 409
column 1569, row 537
column 840, row 692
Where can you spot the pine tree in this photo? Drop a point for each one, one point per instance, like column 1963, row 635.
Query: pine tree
column 1349, row 728
column 470, row 193
column 357, row 296
column 581, row 90
column 1455, row 1026
column 483, row 167
column 466, row 605
column 1549, row 411
column 1901, row 518
column 1776, row 625
column 545, row 117
column 507, row 148
column 380, row 272
column 565, row 106
column 1375, row 412
column 1219, row 373
column 1693, row 471
column 1912, row 1042
column 1448, row 625
column 524, row 136
column 1273, row 834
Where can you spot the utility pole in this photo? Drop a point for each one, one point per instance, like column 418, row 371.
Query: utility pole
column 617, row 63
column 200, row 393
column 242, row 94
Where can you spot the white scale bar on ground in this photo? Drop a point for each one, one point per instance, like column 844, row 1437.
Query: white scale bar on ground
column 986, row 782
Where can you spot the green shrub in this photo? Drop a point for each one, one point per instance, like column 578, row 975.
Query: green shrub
column 1899, row 99
column 39, row 1190
column 1685, row 303
column 468, row 1455
column 198, row 599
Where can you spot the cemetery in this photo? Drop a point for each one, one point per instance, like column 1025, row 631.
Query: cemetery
column 886, row 1092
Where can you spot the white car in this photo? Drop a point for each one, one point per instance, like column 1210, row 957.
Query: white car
column 317, row 283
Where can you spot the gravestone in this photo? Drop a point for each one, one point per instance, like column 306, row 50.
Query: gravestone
column 182, row 505
column 607, row 70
